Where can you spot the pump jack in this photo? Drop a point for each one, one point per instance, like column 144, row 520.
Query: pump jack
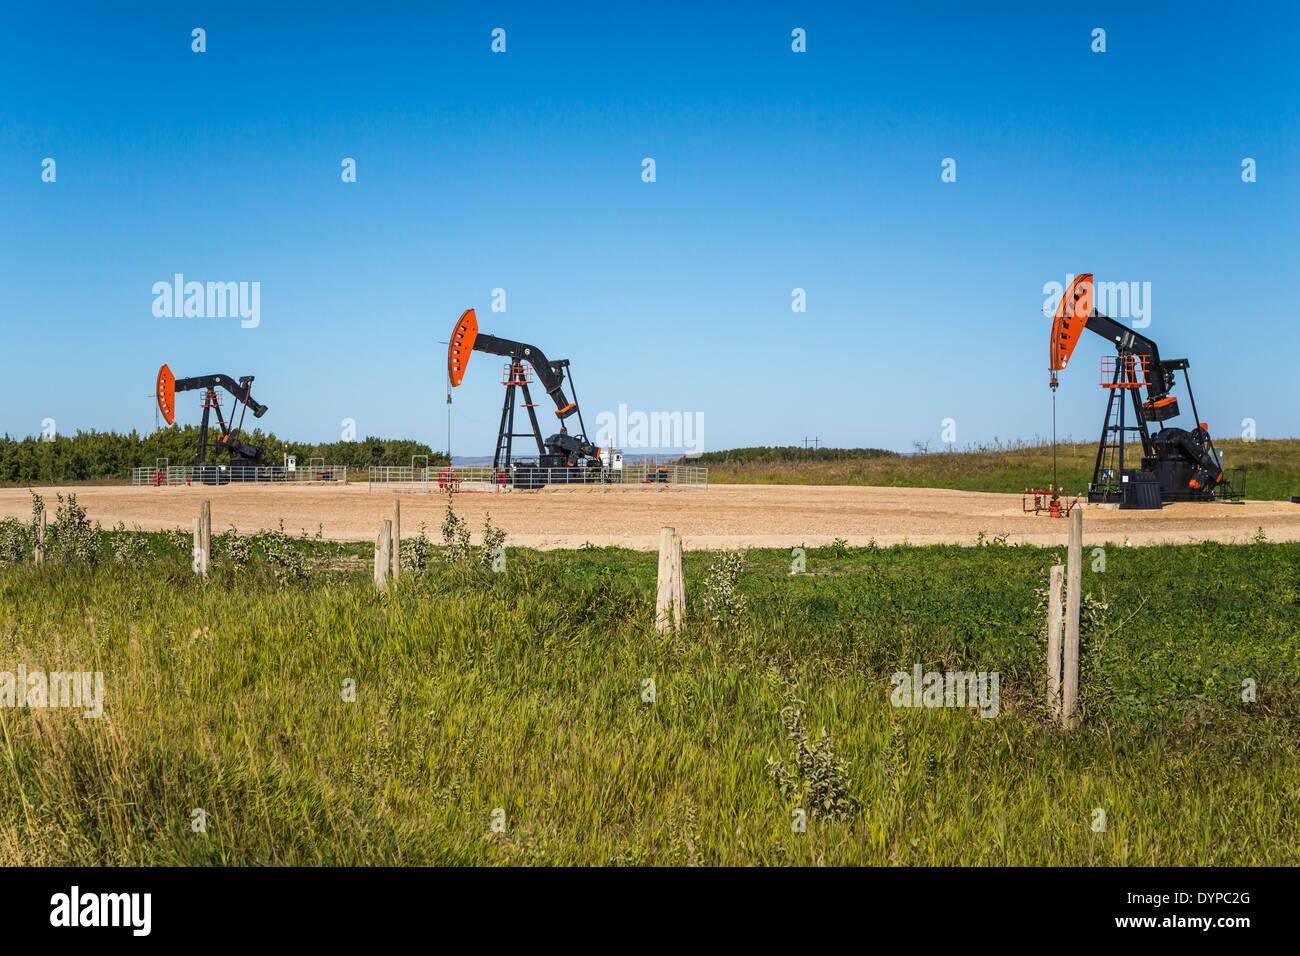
column 243, row 457
column 562, row 457
column 1177, row 464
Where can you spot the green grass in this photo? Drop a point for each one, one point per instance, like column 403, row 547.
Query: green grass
column 523, row 691
column 1272, row 467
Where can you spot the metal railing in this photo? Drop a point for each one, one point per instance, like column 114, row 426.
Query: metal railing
column 433, row 478
column 484, row 479
column 644, row 472
column 172, row 475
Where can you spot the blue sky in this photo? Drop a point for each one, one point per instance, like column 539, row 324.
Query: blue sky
column 775, row 170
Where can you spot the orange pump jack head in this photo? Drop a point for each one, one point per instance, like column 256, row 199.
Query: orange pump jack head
column 1071, row 317
column 166, row 393
column 461, row 345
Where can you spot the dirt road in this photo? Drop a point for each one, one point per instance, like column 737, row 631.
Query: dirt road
column 724, row 516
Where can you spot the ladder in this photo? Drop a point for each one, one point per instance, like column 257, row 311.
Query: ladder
column 1122, row 376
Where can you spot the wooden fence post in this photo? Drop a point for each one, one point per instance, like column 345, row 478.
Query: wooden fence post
column 40, row 538
column 1054, row 595
column 205, row 533
column 1073, row 599
column 671, row 598
column 679, row 582
column 196, row 555
column 383, row 555
column 397, row 538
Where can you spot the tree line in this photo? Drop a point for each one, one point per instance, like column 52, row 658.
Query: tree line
column 786, row 454
column 87, row 456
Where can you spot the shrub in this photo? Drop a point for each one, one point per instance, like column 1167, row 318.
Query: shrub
column 455, row 534
column 816, row 779
column 286, row 562
column 233, row 548
column 722, row 598
column 74, row 537
column 129, row 547
column 180, row 538
column 494, row 540
column 417, row 552
column 16, row 541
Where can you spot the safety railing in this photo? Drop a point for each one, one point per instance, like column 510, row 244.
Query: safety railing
column 173, row 475
column 649, row 473
column 433, row 478
column 467, row 478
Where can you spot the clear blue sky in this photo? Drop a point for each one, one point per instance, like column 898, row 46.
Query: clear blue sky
column 522, row 170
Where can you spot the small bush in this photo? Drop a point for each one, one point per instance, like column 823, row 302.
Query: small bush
column 287, row 563
column 816, row 779
column 455, row 534
column 494, row 540
column 74, row 538
column 417, row 552
column 230, row 547
column 723, row 601
column 129, row 547
column 16, row 541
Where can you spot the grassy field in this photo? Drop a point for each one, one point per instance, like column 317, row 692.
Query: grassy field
column 1272, row 468
column 524, row 691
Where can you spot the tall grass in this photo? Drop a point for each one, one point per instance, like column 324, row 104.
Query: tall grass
column 525, row 691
